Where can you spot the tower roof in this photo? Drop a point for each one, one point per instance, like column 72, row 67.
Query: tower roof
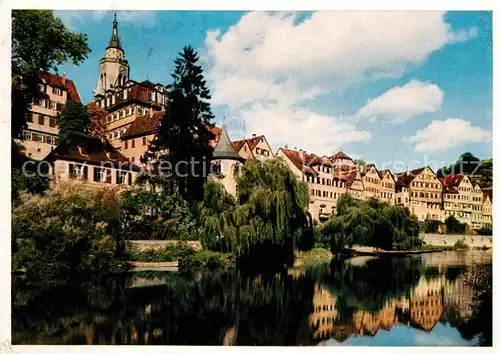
column 224, row 148
column 114, row 41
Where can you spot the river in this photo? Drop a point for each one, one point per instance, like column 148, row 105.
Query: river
column 405, row 301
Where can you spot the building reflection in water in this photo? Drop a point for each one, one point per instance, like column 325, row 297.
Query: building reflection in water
column 422, row 309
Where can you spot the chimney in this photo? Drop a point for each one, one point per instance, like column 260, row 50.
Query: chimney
column 63, row 78
column 254, row 135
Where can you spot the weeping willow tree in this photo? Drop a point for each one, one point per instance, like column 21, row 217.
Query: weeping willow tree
column 371, row 223
column 268, row 217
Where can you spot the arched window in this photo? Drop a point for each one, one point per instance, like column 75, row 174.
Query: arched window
column 102, row 81
column 119, row 81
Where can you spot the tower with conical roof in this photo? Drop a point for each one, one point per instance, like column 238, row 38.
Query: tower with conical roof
column 226, row 162
column 113, row 68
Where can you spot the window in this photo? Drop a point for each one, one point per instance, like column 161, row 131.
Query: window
column 144, row 141
column 52, row 105
column 29, row 117
column 59, row 107
column 140, row 111
column 52, row 122
column 40, row 138
column 151, row 95
column 126, row 144
column 57, row 91
column 77, row 171
column 41, row 119
column 41, row 87
column 115, row 134
column 257, row 150
column 133, row 143
column 51, row 140
column 113, row 98
column 121, row 113
column 121, row 177
column 27, row 136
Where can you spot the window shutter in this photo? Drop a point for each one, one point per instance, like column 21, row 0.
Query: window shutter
column 85, row 172
column 71, row 170
column 126, row 144
column 129, row 179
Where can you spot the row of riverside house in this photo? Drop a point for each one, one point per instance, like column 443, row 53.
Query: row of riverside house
column 134, row 110
column 427, row 196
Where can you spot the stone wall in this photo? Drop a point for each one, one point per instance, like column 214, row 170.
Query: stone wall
column 449, row 240
column 148, row 245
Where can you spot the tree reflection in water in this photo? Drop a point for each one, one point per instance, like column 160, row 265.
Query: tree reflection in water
column 296, row 306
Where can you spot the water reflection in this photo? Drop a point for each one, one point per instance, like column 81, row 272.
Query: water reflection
column 348, row 302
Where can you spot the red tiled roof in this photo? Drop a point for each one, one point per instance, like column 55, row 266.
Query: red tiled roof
column 340, row 155
column 144, row 125
column 252, row 142
column 63, row 83
column 405, row 178
column 85, row 148
column 299, row 159
column 351, row 177
column 238, row 144
column 453, row 181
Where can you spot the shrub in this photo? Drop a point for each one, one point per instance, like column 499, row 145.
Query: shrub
column 453, row 226
column 206, row 259
column 72, row 229
column 460, row 245
column 430, row 226
column 485, row 231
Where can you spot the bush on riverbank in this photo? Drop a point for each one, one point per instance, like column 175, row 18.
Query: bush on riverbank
column 156, row 216
column 315, row 253
column 71, row 229
column 206, row 259
column 460, row 245
column 372, row 223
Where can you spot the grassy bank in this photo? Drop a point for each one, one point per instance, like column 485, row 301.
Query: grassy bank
column 315, row 253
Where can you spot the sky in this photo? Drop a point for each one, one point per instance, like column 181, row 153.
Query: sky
column 398, row 89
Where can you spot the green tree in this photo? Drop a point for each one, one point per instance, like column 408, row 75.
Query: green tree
column 73, row 119
column 371, row 223
column 453, row 226
column 40, row 42
column 184, row 134
column 268, row 219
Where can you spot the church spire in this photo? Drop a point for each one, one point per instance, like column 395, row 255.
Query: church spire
column 114, row 42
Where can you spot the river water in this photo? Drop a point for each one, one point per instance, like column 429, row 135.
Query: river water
column 405, row 301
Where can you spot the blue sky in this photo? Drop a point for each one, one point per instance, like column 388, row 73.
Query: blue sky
column 401, row 89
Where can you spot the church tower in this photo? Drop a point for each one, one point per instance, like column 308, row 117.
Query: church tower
column 113, row 68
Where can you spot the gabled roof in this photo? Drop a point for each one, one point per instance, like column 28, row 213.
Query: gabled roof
column 382, row 174
column 453, row 180
column 85, row 148
column 299, row 159
column 252, row 142
column 63, row 83
column 144, row 125
column 404, row 178
column 340, row 155
column 364, row 170
column 351, row 177
column 238, row 144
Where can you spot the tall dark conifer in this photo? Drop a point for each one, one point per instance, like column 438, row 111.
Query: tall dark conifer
column 183, row 138
column 73, row 119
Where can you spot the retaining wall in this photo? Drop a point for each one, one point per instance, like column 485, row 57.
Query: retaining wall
column 449, row 240
column 151, row 245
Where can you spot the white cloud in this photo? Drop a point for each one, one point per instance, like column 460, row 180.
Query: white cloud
column 73, row 19
column 445, row 134
column 299, row 128
column 403, row 102
column 270, row 62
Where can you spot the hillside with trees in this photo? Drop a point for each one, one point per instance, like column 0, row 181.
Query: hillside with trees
column 480, row 171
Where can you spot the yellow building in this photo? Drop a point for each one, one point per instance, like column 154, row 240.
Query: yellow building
column 324, row 313
column 421, row 191
column 256, row 147
column 325, row 187
column 387, row 186
column 371, row 181
column 41, row 135
column 463, row 200
column 487, row 206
